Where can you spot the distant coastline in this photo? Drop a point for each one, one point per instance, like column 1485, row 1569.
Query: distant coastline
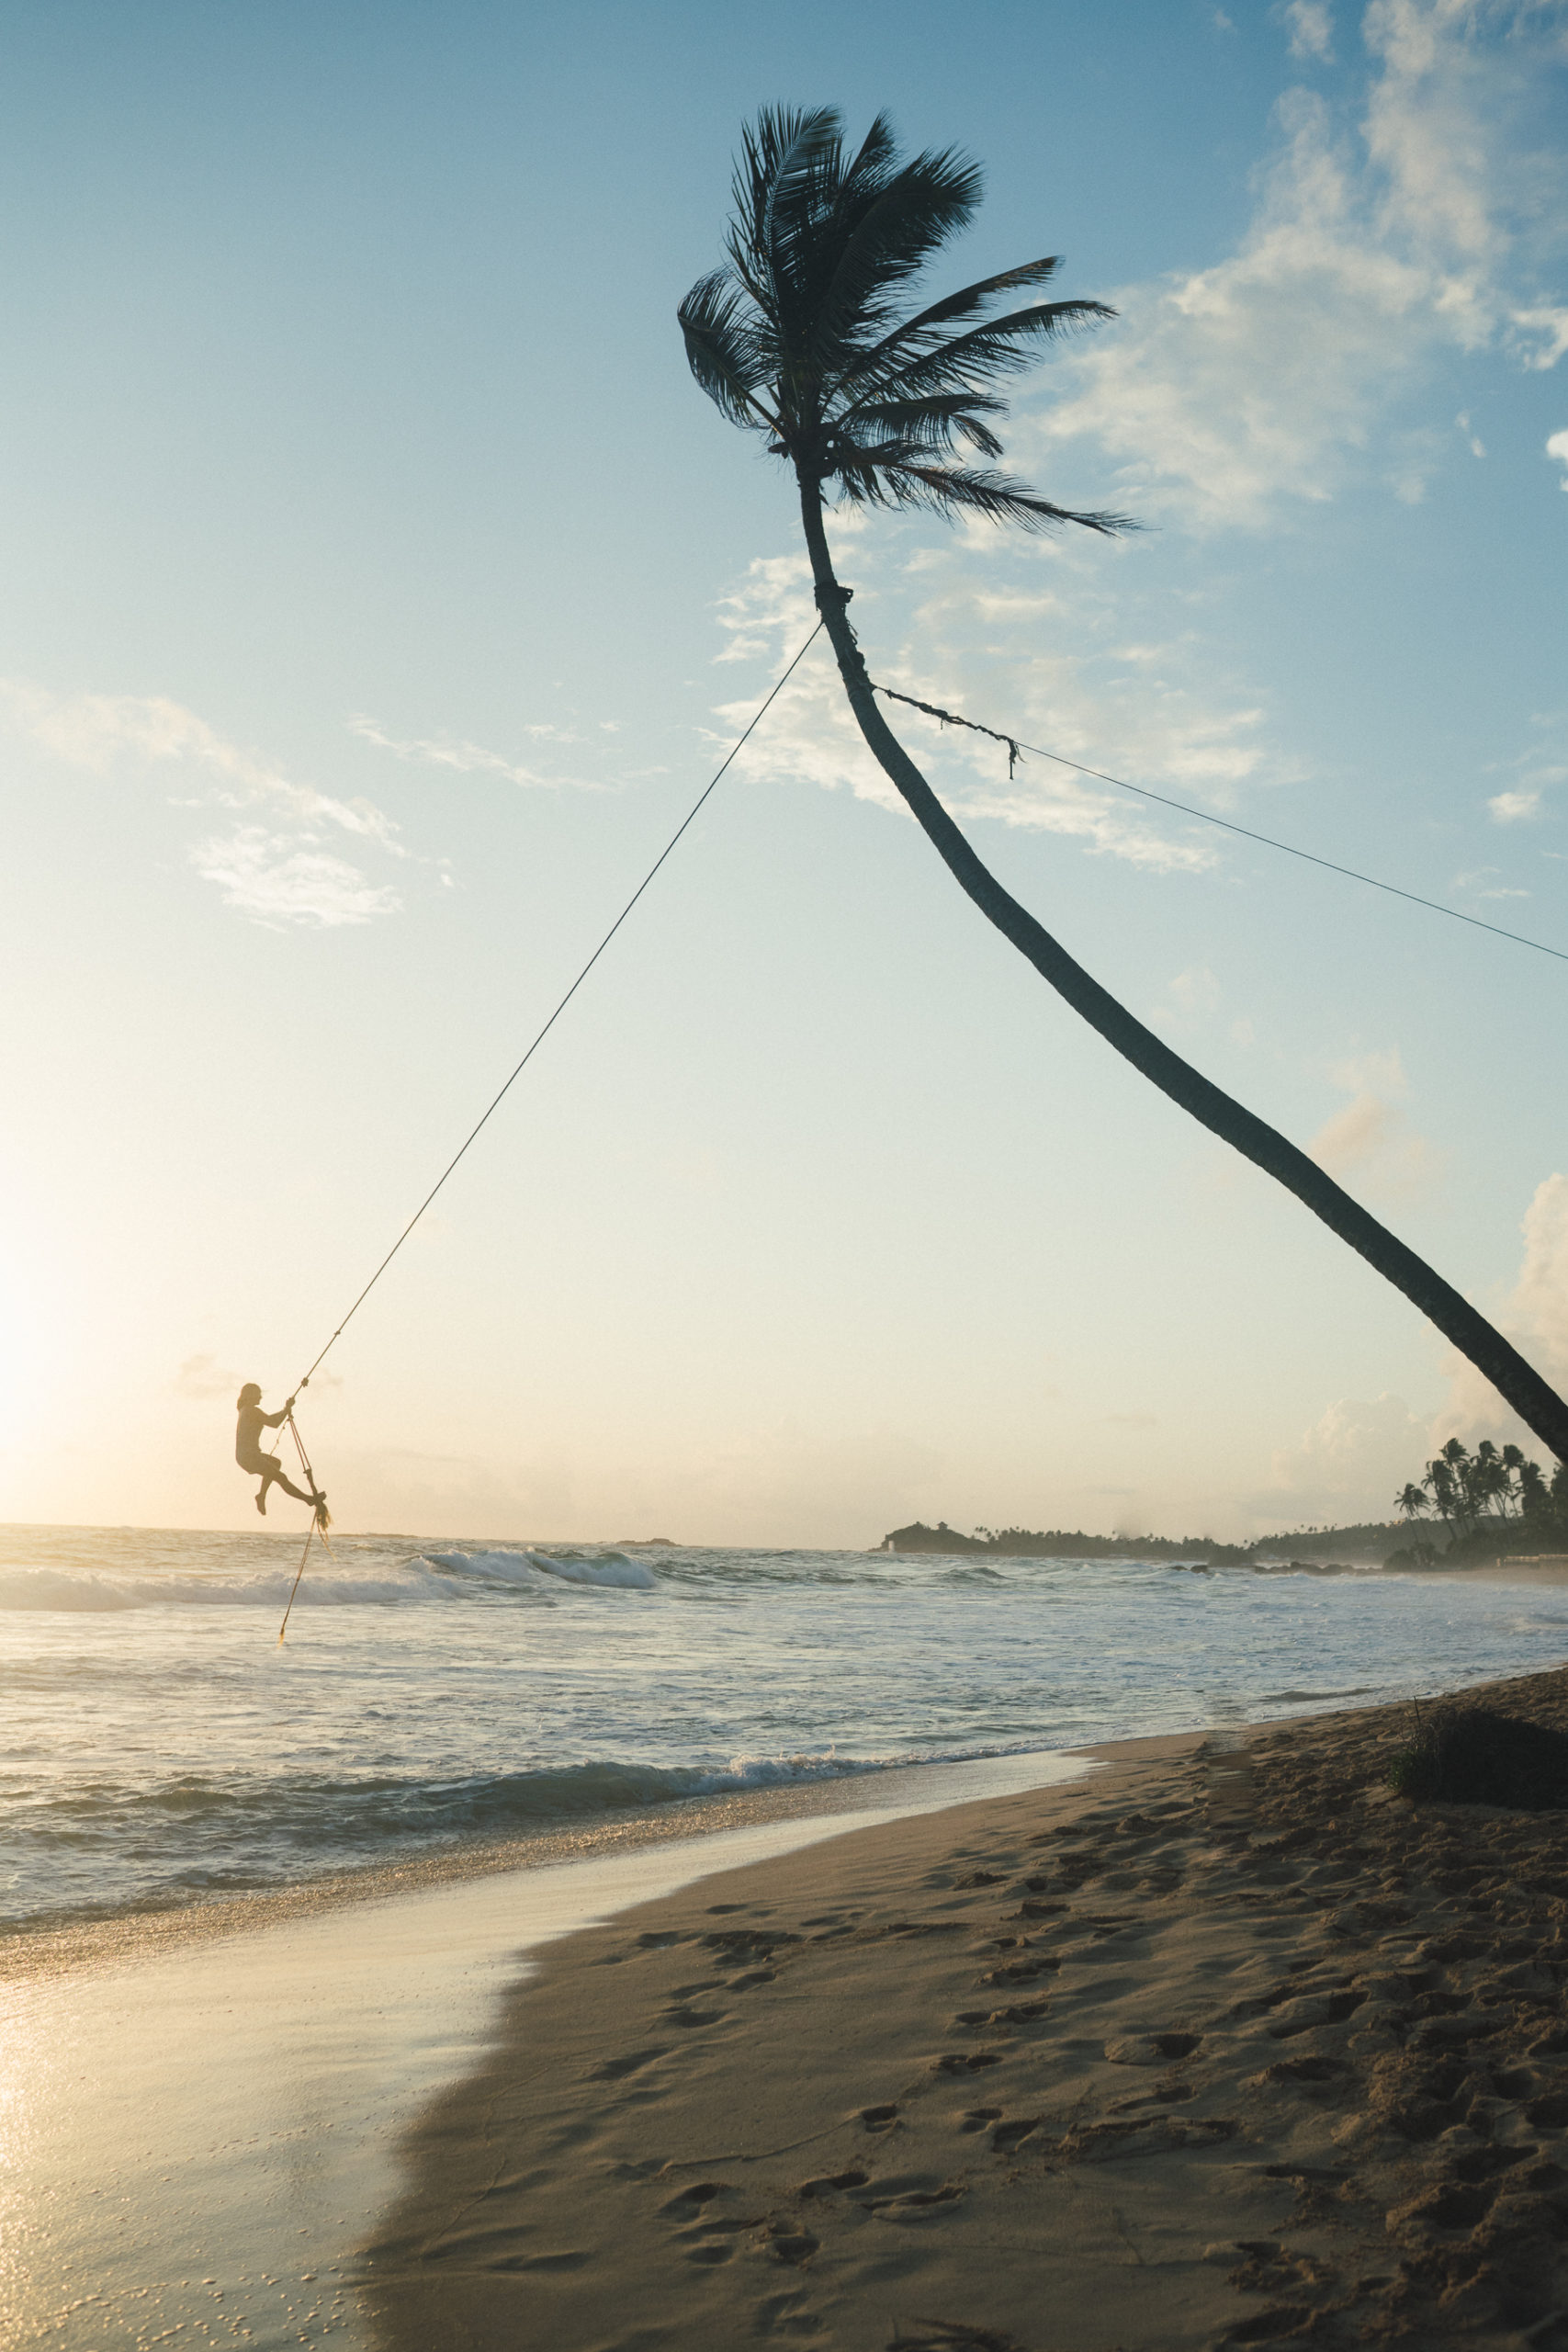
column 1353, row 1546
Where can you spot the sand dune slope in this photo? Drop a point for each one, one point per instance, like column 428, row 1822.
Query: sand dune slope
column 1225, row 2047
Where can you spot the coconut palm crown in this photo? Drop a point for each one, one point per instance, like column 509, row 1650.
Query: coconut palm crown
column 805, row 336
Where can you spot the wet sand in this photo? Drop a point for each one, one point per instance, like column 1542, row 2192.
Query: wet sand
column 200, row 2109
column 1228, row 2046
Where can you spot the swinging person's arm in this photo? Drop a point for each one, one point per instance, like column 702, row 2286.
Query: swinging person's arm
column 275, row 1420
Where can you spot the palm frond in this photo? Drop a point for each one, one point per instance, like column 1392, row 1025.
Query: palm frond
column 895, row 476
column 914, row 335
column 805, row 186
column 913, row 216
column 726, row 351
column 929, row 424
column 1000, row 347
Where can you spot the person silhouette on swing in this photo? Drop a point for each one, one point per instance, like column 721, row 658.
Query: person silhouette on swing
column 248, row 1448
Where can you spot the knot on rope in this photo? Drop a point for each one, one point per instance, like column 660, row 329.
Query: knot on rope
column 829, row 592
column 951, row 719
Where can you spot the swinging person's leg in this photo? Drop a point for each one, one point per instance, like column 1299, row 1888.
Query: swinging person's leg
column 290, row 1488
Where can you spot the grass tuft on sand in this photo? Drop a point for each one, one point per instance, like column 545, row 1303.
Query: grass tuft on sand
column 1478, row 1755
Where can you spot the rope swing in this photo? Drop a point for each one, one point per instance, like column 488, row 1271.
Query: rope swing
column 320, row 1522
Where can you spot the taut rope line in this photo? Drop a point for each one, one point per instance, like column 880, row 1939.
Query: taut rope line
column 320, row 1521
column 739, row 741
column 1015, row 748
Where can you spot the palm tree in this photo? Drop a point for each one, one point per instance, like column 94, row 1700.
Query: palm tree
column 805, row 336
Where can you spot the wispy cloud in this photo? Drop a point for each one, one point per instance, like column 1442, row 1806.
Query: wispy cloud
column 203, row 1377
column 1310, row 29
column 276, row 872
column 1038, row 654
column 461, row 756
column 1228, row 393
column 465, row 758
column 1557, row 447
column 270, row 877
column 1371, row 1139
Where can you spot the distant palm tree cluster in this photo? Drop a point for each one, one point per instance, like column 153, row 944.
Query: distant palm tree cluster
column 1490, row 1494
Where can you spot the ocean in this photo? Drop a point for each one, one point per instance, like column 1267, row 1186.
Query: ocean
column 159, row 1748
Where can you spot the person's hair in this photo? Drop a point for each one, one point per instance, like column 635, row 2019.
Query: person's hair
column 249, row 1395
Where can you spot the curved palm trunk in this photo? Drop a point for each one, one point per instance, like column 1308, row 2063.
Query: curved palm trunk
column 1536, row 1403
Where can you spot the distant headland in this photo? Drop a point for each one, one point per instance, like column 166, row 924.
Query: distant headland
column 1312, row 1545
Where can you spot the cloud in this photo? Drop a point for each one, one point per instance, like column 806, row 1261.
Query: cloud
column 203, row 1377
column 280, row 875
column 1558, row 447
column 1371, row 1138
column 1533, row 773
column 1484, row 881
column 1038, row 648
column 268, row 876
column 1347, row 1465
column 1550, row 324
column 1197, row 991
column 1534, row 1316
column 1228, row 394
column 1310, row 29
column 467, row 758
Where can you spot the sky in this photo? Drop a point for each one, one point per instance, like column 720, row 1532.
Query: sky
column 380, row 591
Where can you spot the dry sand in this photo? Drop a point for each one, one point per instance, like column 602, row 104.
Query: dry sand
column 1228, row 2046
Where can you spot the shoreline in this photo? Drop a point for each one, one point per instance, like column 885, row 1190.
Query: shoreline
column 311, row 2048
column 45, row 1948
column 202, row 2129
column 1226, row 2045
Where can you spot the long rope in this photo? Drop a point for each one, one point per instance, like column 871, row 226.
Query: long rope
column 1015, row 746
column 294, row 1588
column 691, row 813
column 320, row 1522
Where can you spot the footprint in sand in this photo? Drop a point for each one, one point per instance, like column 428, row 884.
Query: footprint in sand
column 614, row 2069
column 700, row 2192
column 793, row 2246
column 1008, row 2136
column 1018, row 2013
column 951, row 2335
column 910, row 2199
column 967, row 2062
column 878, row 2118
column 1151, row 2049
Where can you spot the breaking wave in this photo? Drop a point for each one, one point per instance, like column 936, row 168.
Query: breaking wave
column 428, row 1576
column 236, row 1837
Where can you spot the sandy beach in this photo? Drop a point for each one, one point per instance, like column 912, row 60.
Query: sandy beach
column 1227, row 2045
column 202, row 2108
